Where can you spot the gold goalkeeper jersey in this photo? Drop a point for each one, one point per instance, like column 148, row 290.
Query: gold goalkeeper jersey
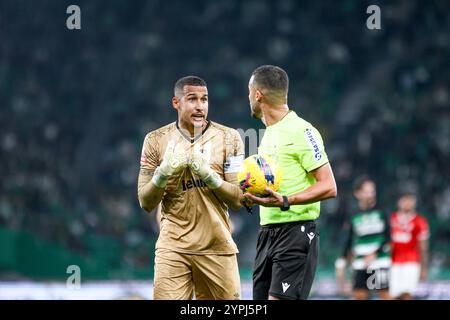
column 194, row 220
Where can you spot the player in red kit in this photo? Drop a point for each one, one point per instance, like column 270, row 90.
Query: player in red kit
column 409, row 234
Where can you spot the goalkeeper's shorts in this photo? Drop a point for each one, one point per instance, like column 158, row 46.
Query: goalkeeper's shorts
column 210, row 276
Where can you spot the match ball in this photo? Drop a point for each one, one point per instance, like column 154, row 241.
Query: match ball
column 258, row 172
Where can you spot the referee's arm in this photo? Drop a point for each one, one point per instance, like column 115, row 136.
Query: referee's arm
column 324, row 188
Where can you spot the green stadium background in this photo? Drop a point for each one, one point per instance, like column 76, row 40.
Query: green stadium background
column 76, row 105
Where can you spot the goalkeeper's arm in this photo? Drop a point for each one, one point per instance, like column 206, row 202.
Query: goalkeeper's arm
column 231, row 194
column 150, row 192
column 227, row 192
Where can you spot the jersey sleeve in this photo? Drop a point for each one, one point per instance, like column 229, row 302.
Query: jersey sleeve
column 149, row 161
column 234, row 157
column 423, row 229
column 312, row 153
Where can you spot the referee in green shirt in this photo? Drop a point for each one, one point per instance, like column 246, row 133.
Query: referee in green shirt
column 288, row 242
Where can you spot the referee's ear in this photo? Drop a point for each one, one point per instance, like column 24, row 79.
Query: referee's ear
column 258, row 95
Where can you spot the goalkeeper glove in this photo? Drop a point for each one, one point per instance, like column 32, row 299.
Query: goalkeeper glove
column 174, row 162
column 200, row 166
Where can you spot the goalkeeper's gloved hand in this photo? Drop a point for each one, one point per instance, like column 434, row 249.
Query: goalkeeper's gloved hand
column 174, row 161
column 199, row 164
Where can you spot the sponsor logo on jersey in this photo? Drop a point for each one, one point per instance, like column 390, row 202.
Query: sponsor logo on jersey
column 314, row 146
column 189, row 184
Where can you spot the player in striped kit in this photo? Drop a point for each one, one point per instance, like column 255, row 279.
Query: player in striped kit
column 367, row 245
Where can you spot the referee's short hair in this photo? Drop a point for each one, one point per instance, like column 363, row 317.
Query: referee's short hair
column 187, row 81
column 272, row 78
column 358, row 183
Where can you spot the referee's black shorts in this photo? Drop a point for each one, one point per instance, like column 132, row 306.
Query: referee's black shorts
column 286, row 260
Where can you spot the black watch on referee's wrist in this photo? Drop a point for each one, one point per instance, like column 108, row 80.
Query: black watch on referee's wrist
column 285, row 206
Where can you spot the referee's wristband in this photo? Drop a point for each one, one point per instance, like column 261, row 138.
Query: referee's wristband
column 285, row 206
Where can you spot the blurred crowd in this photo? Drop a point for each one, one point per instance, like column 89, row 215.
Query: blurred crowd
column 76, row 105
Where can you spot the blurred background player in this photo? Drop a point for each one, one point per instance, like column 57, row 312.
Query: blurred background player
column 195, row 186
column 367, row 245
column 409, row 233
column 288, row 243
column 380, row 99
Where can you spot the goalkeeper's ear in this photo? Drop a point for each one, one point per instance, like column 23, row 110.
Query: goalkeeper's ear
column 176, row 102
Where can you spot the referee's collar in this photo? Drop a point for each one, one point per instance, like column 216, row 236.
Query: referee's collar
column 285, row 117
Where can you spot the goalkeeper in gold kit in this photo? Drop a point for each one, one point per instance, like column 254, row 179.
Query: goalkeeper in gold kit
column 189, row 168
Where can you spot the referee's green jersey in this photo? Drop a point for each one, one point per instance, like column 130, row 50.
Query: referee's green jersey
column 298, row 148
